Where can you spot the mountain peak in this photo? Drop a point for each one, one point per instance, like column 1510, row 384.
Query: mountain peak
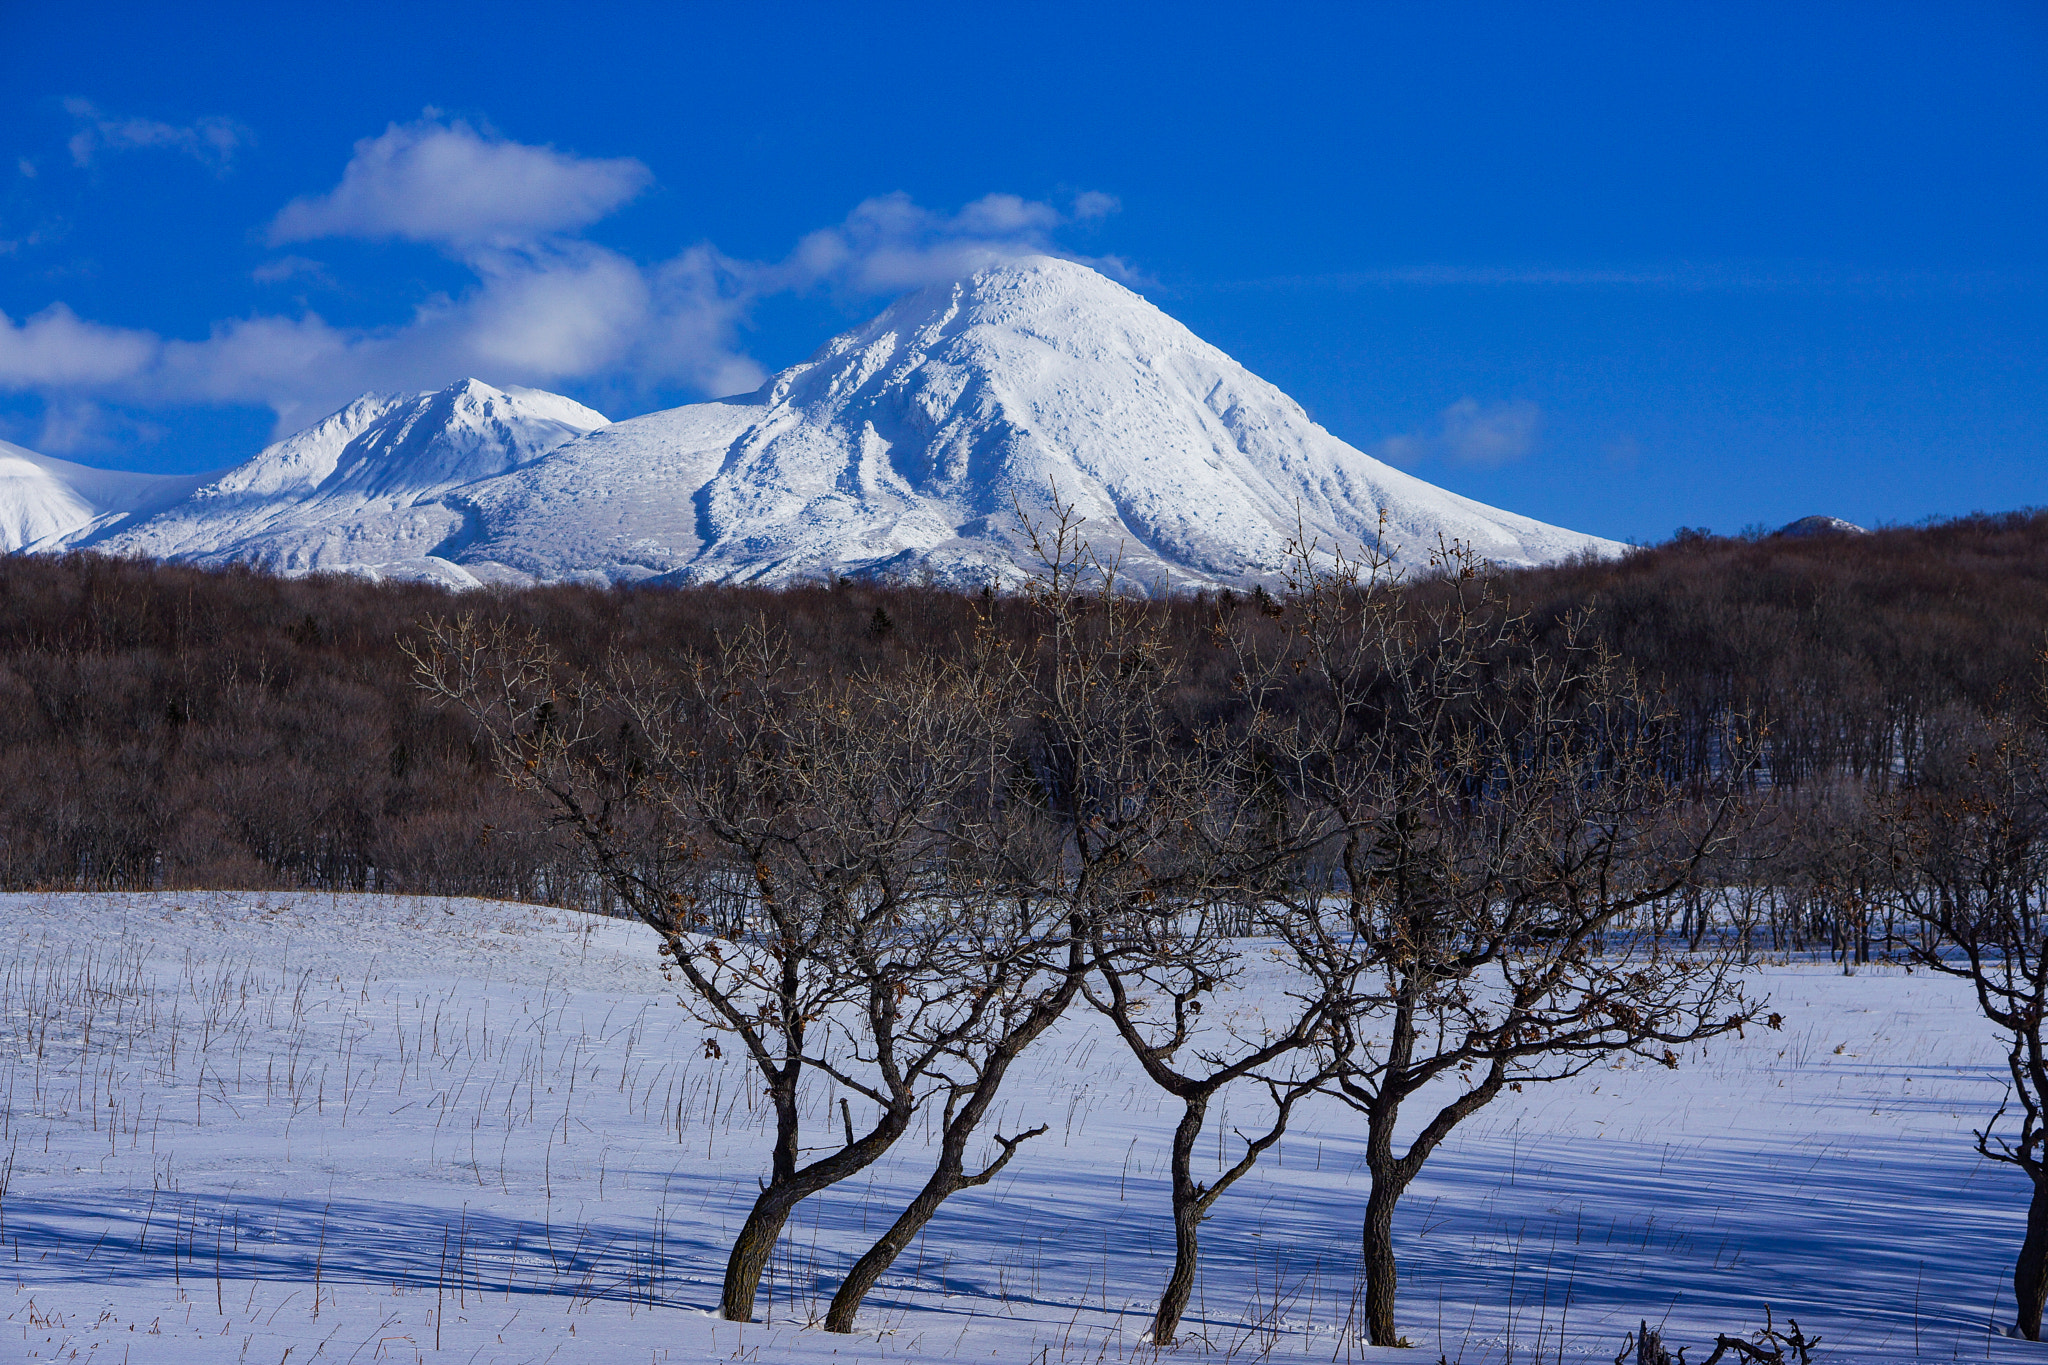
column 1820, row 526
column 909, row 444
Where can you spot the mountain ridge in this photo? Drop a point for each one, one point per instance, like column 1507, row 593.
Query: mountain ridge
column 906, row 446
column 45, row 501
column 362, row 490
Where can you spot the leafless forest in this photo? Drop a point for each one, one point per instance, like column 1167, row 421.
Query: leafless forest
column 164, row 726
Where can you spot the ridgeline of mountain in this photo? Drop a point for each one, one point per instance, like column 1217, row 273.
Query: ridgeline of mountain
column 361, row 491
column 903, row 447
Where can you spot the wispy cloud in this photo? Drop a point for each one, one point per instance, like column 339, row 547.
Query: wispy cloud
column 58, row 349
column 546, row 306
column 292, row 268
column 1469, row 433
column 890, row 243
column 212, row 141
column 453, row 185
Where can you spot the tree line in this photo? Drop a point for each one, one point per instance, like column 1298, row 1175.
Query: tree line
column 168, row 726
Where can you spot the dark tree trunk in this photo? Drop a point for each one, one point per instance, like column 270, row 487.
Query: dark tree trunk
column 790, row 1187
column 950, row 1177
column 1376, row 1255
column 2030, row 1275
column 1390, row 1176
column 756, row 1242
column 1187, row 1224
column 947, row 1180
column 751, row 1250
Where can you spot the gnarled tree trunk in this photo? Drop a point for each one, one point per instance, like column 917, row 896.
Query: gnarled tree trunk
column 1188, row 1208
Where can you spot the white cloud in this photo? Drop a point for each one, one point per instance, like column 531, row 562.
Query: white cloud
column 546, row 307
column 212, row 141
column 1469, row 433
column 452, row 185
column 58, row 349
column 890, row 243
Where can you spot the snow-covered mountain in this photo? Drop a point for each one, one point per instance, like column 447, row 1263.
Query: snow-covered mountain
column 901, row 447
column 44, row 501
column 361, row 491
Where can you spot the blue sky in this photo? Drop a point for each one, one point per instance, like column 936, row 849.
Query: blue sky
column 1623, row 267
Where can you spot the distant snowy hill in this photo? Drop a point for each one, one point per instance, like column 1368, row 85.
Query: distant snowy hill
column 1807, row 527
column 43, row 500
column 902, row 447
column 361, row 491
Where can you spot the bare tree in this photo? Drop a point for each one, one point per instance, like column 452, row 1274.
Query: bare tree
column 1218, row 829
column 786, row 835
column 1969, row 845
column 1154, row 982
column 1507, row 825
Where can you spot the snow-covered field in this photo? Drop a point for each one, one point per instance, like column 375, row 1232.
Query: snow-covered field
column 287, row 1128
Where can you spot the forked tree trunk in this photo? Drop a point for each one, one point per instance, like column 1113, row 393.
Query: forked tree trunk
column 790, row 1187
column 1187, row 1225
column 2030, row 1274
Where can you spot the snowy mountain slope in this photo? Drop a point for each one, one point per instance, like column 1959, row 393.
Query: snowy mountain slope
column 626, row 507
column 359, row 491
column 901, row 446
column 46, row 500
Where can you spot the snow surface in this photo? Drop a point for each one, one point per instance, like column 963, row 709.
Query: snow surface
column 360, row 491
column 288, row 1128
column 904, row 447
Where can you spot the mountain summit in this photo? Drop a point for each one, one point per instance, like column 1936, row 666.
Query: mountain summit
column 902, row 447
